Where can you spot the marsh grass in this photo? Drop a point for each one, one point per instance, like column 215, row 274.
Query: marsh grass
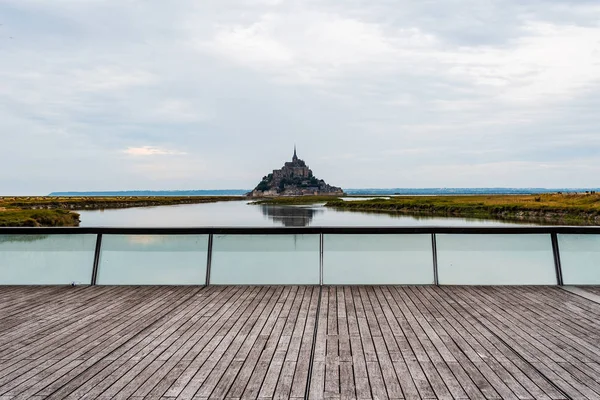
column 568, row 207
column 16, row 217
column 56, row 211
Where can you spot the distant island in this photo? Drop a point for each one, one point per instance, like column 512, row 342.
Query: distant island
column 294, row 179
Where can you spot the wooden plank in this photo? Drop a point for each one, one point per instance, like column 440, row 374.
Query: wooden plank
column 207, row 377
column 253, row 373
column 65, row 352
column 90, row 362
column 535, row 353
column 255, row 342
column 212, row 327
column 234, row 380
column 543, row 337
column 98, row 382
column 275, row 369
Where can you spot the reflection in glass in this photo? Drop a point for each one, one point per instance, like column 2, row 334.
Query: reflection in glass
column 153, row 260
column 21, row 238
column 377, row 259
column 46, row 259
column 265, row 259
column 290, row 215
column 580, row 259
column 495, row 259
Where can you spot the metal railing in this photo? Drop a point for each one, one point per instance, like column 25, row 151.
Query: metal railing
column 307, row 255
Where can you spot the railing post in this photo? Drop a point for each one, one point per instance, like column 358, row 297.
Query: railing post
column 96, row 259
column 435, row 260
column 556, row 253
column 321, row 259
column 209, row 258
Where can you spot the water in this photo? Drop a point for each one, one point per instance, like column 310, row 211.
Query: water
column 241, row 213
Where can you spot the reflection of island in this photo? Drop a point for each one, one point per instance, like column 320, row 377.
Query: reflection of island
column 290, row 216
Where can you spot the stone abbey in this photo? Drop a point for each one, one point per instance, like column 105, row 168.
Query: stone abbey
column 293, row 179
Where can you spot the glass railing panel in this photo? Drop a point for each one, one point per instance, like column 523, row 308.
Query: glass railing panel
column 377, row 259
column 265, row 259
column 46, row 259
column 580, row 259
column 153, row 260
column 495, row 259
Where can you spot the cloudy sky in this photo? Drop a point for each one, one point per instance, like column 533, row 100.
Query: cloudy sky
column 212, row 94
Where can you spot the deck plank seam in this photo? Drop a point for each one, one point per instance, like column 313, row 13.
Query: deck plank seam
column 312, row 349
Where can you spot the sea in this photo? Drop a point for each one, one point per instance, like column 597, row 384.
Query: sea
column 244, row 213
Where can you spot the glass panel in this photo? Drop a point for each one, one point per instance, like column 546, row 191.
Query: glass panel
column 495, row 259
column 265, row 259
column 580, row 259
column 153, row 260
column 377, row 259
column 46, row 259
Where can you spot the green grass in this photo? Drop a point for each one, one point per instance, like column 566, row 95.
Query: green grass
column 55, row 211
column 560, row 208
column 16, row 217
column 74, row 203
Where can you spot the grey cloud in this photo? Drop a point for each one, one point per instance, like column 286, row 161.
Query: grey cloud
column 375, row 93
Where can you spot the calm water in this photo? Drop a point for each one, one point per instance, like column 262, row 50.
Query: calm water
column 241, row 213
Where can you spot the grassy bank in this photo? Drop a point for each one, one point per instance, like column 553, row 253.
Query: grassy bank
column 56, row 211
column 97, row 203
column 551, row 208
column 17, row 217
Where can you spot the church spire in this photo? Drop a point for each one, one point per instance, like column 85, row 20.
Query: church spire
column 295, row 158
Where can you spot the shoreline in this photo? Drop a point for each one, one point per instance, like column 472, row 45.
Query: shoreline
column 544, row 209
column 561, row 209
column 48, row 211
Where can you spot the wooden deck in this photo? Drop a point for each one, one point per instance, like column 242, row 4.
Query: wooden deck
column 298, row 342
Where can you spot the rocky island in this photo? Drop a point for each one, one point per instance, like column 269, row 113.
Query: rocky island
column 294, row 179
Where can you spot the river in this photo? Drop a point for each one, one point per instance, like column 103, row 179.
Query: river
column 241, row 213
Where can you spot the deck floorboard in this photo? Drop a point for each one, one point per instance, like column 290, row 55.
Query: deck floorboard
column 330, row 342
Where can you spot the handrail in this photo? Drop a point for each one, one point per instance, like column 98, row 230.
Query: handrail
column 551, row 231
column 304, row 230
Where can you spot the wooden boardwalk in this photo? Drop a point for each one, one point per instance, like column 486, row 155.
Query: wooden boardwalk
column 334, row 342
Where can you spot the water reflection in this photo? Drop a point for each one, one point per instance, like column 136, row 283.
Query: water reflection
column 240, row 213
column 290, row 216
column 21, row 238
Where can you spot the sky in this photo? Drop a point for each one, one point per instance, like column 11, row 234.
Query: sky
column 213, row 94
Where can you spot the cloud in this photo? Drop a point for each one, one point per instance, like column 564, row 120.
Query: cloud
column 108, row 78
column 151, row 151
column 311, row 46
column 215, row 94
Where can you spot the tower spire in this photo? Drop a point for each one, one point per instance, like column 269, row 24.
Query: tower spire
column 295, row 156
